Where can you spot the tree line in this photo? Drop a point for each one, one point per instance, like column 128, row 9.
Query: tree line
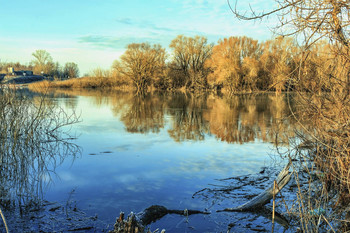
column 236, row 64
column 43, row 64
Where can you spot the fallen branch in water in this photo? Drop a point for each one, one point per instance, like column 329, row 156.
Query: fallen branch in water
column 264, row 197
column 149, row 215
column 81, row 229
column 155, row 212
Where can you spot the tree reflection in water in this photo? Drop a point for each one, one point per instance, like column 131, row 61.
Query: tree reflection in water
column 145, row 114
column 234, row 119
column 245, row 118
column 188, row 121
column 34, row 140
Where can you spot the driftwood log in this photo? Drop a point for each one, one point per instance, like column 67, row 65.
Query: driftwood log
column 155, row 212
column 136, row 223
column 264, row 197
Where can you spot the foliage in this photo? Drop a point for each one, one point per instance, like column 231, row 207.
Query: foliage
column 235, row 63
column 16, row 65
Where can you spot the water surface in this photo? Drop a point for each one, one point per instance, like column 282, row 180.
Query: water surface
column 137, row 151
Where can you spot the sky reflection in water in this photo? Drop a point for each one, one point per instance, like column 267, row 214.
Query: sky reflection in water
column 124, row 170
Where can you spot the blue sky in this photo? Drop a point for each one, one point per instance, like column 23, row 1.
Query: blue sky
column 94, row 33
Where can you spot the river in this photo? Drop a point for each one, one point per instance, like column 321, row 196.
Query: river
column 162, row 148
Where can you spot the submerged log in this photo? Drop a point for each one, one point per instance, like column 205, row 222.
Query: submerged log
column 155, row 212
column 136, row 223
column 264, row 197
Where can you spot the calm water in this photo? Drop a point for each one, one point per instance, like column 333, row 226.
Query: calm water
column 161, row 149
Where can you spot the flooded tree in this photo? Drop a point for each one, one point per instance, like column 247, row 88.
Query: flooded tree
column 141, row 63
column 227, row 62
column 189, row 57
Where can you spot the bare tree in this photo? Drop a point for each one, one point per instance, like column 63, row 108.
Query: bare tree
column 141, row 63
column 189, row 57
column 71, row 70
column 43, row 61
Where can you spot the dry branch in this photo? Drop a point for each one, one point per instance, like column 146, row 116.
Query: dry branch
column 264, row 197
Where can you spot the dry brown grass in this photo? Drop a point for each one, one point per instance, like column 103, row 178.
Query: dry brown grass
column 322, row 148
column 85, row 82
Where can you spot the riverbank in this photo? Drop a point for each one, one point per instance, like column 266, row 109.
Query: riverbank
column 23, row 79
column 112, row 84
column 101, row 83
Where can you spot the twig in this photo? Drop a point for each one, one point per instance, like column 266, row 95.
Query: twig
column 273, row 205
column 328, row 223
column 4, row 220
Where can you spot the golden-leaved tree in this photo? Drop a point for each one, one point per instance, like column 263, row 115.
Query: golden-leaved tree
column 234, row 63
column 276, row 59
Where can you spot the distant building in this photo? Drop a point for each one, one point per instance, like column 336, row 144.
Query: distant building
column 11, row 71
column 24, row 72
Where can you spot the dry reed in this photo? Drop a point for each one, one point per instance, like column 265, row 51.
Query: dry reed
column 33, row 141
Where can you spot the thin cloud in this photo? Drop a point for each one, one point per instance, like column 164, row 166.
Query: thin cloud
column 155, row 30
column 105, row 42
column 146, row 32
column 210, row 18
column 127, row 21
column 145, row 25
column 120, row 43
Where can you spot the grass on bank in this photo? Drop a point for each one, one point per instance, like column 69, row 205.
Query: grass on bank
column 85, row 82
column 110, row 83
